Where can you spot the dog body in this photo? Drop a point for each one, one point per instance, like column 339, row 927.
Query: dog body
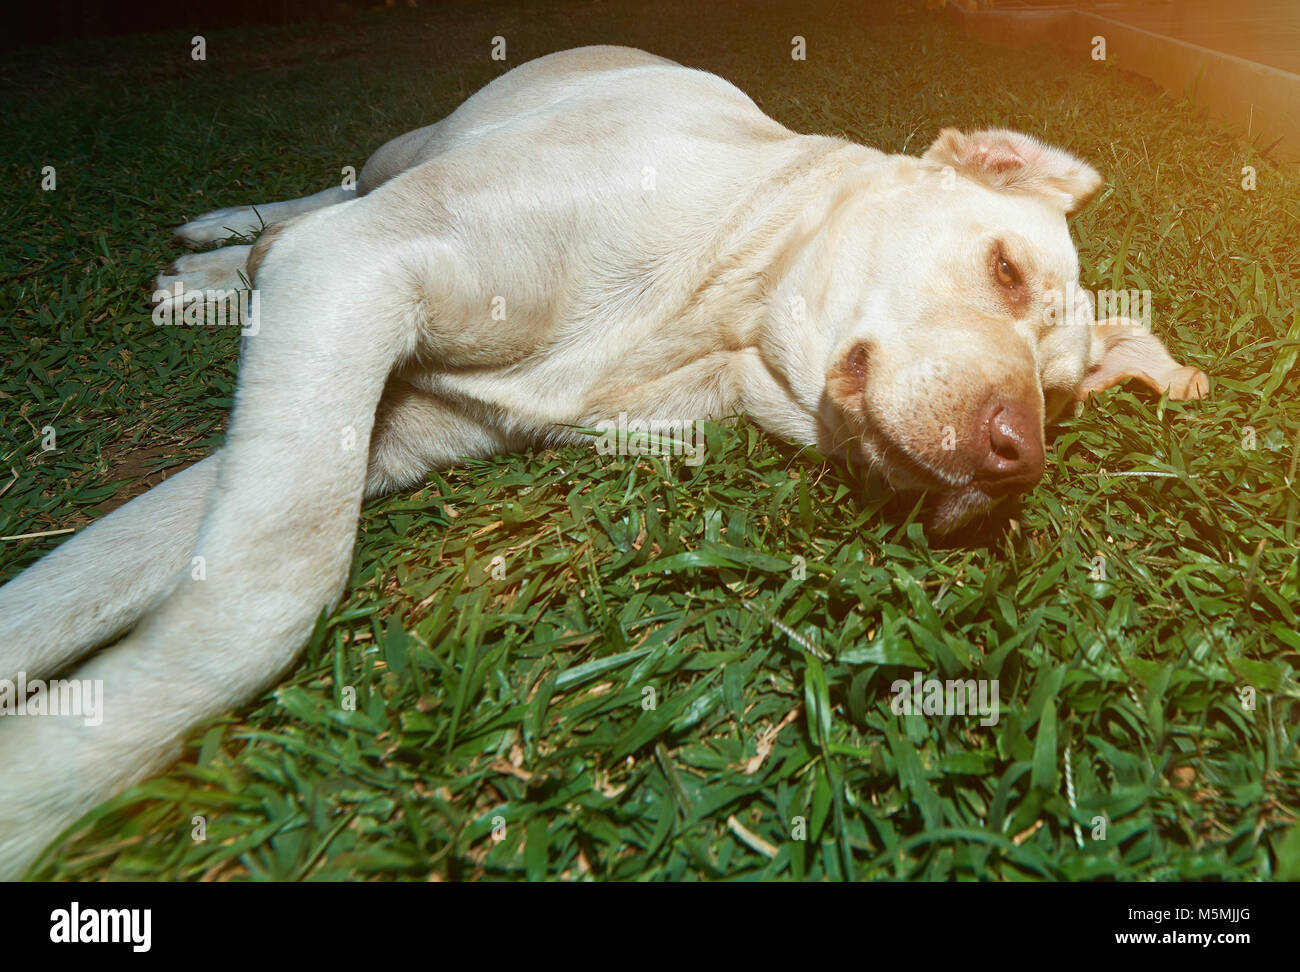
column 599, row 231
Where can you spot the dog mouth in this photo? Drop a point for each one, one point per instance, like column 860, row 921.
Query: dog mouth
column 900, row 468
column 958, row 486
column 954, row 510
column 950, row 505
column 1000, row 455
column 953, row 499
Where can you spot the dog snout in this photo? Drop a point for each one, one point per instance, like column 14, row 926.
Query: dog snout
column 1009, row 447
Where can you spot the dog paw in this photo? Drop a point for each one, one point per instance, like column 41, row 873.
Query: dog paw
column 220, row 224
column 216, row 270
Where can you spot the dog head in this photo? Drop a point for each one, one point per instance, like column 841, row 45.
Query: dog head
column 955, row 325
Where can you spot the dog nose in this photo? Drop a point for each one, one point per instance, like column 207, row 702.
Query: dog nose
column 1012, row 441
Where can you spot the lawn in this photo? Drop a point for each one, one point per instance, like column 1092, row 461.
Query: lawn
column 651, row 684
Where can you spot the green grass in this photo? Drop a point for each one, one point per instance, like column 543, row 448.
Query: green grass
column 521, row 700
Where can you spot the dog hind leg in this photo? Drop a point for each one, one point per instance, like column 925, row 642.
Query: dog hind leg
column 96, row 585
column 221, row 224
column 275, row 540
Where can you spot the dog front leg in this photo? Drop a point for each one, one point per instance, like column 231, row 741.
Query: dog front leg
column 272, row 551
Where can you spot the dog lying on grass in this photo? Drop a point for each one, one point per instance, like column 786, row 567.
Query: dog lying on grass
column 597, row 232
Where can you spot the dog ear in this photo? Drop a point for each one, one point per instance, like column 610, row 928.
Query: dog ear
column 1123, row 349
column 1017, row 163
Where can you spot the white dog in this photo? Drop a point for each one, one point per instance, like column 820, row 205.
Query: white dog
column 598, row 231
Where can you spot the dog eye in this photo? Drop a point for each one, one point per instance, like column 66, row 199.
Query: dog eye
column 1007, row 273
